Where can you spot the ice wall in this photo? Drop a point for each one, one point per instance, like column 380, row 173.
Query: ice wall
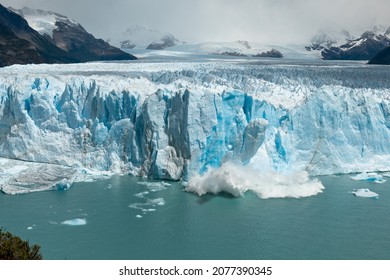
column 176, row 121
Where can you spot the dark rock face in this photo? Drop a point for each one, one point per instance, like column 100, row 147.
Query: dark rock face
column 165, row 42
column 272, row 53
column 83, row 46
column 19, row 43
column 14, row 50
column 382, row 57
column 230, row 53
column 363, row 48
column 42, row 50
column 127, row 44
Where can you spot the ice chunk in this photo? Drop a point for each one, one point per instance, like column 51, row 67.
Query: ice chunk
column 30, row 228
column 141, row 194
column 365, row 193
column 18, row 177
column 75, row 222
column 370, row 177
column 138, row 216
column 149, row 202
column 155, row 186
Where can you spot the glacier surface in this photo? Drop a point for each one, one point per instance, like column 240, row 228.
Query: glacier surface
column 184, row 121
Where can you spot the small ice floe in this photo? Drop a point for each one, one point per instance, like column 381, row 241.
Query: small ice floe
column 138, row 216
column 75, row 222
column 141, row 194
column 155, row 186
column 365, row 193
column 30, row 228
column 370, row 177
column 145, row 207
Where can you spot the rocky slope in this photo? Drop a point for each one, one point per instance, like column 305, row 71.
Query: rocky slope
column 68, row 42
column 382, row 57
column 363, row 48
column 71, row 37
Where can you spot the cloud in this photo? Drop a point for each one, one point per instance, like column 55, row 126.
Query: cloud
column 275, row 21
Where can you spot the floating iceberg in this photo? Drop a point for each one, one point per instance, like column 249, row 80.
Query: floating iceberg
column 75, row 222
column 365, row 193
column 370, row 177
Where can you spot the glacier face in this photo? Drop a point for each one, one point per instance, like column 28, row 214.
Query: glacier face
column 180, row 120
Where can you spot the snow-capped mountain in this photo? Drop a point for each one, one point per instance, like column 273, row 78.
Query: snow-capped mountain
column 141, row 37
column 189, row 120
column 166, row 41
column 326, row 39
column 22, row 44
column 363, row 48
column 345, row 46
column 43, row 21
column 70, row 36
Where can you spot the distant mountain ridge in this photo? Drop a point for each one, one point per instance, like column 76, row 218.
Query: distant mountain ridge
column 344, row 46
column 140, row 37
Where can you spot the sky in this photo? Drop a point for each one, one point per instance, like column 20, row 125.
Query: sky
column 264, row 21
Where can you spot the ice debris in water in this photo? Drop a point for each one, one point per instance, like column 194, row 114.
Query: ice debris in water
column 75, row 222
column 141, row 194
column 138, row 216
column 365, row 193
column 149, row 202
column 155, row 186
column 29, row 228
column 370, row 177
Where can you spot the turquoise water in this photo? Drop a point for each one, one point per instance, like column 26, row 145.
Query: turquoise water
column 180, row 225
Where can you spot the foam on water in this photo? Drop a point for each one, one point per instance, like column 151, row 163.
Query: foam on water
column 237, row 179
column 75, row 222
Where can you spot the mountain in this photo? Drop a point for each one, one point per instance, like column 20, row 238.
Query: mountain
column 14, row 50
column 177, row 121
column 140, row 37
column 22, row 44
column 382, row 57
column 326, row 39
column 166, row 41
column 71, row 37
column 363, row 48
column 345, row 46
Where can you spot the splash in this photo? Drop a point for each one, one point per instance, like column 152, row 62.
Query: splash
column 238, row 179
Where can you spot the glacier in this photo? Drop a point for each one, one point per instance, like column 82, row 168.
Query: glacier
column 186, row 120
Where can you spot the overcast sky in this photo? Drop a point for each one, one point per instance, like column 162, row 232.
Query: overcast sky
column 267, row 21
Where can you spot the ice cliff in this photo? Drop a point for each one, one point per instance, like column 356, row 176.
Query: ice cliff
column 181, row 120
